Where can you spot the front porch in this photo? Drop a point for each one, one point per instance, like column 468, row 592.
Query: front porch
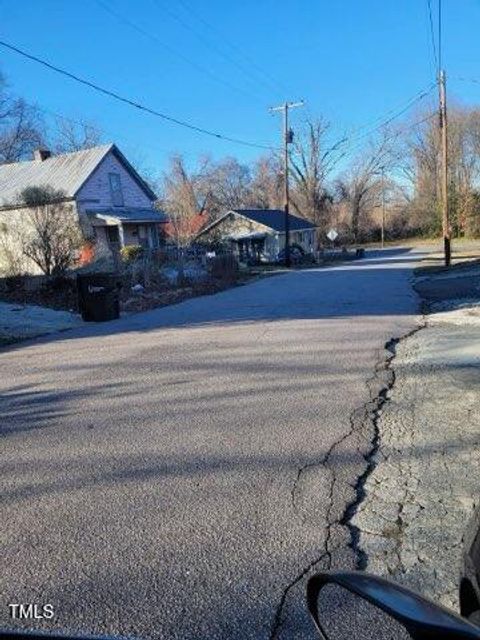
column 255, row 247
column 114, row 230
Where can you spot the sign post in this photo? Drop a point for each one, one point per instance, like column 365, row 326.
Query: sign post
column 332, row 235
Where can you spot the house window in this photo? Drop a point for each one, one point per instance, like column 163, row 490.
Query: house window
column 142, row 235
column 113, row 234
column 116, row 189
column 155, row 237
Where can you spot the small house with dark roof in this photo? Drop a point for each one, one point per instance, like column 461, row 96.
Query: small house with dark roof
column 113, row 204
column 259, row 234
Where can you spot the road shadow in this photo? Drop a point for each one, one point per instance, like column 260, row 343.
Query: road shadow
column 378, row 285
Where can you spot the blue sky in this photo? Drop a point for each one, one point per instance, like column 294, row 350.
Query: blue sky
column 221, row 64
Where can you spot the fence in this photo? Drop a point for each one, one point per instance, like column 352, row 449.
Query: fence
column 30, row 282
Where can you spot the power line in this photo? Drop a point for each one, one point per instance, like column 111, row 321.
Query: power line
column 84, row 122
column 280, row 87
column 439, row 35
column 432, row 36
column 392, row 114
column 394, row 136
column 171, row 50
column 214, row 47
column 132, row 103
column 462, row 79
column 353, row 140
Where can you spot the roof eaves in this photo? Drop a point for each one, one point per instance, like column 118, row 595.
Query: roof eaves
column 214, row 223
column 133, row 172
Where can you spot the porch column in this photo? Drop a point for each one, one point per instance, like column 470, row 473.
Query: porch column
column 120, row 235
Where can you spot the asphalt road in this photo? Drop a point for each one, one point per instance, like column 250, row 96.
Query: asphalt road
column 174, row 474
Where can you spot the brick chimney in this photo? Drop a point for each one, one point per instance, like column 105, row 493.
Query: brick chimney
column 41, row 154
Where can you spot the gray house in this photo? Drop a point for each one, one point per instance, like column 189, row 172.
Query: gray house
column 113, row 204
column 259, row 234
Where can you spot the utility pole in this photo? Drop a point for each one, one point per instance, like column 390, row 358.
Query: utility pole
column 383, row 207
column 444, row 173
column 287, row 139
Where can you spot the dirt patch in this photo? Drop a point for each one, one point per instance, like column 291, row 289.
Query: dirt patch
column 134, row 302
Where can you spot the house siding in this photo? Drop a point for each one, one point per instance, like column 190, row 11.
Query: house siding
column 17, row 222
column 95, row 193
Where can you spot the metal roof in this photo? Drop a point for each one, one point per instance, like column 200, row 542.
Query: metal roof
column 66, row 172
column 275, row 219
column 130, row 215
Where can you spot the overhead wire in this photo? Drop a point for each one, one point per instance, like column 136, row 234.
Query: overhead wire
column 352, row 142
column 463, row 79
column 356, row 147
column 240, row 51
column 133, row 103
column 392, row 114
column 350, row 139
column 439, row 35
column 174, row 52
column 214, row 47
column 432, row 38
column 80, row 122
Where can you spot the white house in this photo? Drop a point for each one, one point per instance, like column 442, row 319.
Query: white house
column 114, row 205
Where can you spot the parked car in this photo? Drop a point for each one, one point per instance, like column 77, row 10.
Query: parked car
column 296, row 255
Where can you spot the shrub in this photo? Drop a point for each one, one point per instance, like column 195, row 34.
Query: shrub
column 131, row 253
column 48, row 234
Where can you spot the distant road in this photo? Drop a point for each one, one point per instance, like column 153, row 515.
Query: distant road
column 173, row 474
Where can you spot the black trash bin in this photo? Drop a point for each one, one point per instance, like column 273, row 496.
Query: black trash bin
column 98, row 296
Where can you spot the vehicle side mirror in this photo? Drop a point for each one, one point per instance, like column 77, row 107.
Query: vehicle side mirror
column 357, row 606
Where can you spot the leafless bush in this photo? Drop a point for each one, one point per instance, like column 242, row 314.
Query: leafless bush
column 48, row 232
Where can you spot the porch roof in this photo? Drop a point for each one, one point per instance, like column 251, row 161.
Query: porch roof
column 128, row 216
column 254, row 235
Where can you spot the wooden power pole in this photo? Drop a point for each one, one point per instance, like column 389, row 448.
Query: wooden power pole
column 444, row 172
column 383, row 207
column 287, row 139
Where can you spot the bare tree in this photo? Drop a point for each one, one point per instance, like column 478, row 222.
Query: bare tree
column 266, row 187
column 227, row 184
column 421, row 164
column 180, row 201
column 48, row 233
column 359, row 188
column 21, row 127
column 312, row 162
column 74, row 136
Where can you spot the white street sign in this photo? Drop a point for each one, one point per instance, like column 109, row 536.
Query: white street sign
column 332, row 235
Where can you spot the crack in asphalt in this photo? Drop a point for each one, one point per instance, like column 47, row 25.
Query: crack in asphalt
column 375, row 404
column 367, row 415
